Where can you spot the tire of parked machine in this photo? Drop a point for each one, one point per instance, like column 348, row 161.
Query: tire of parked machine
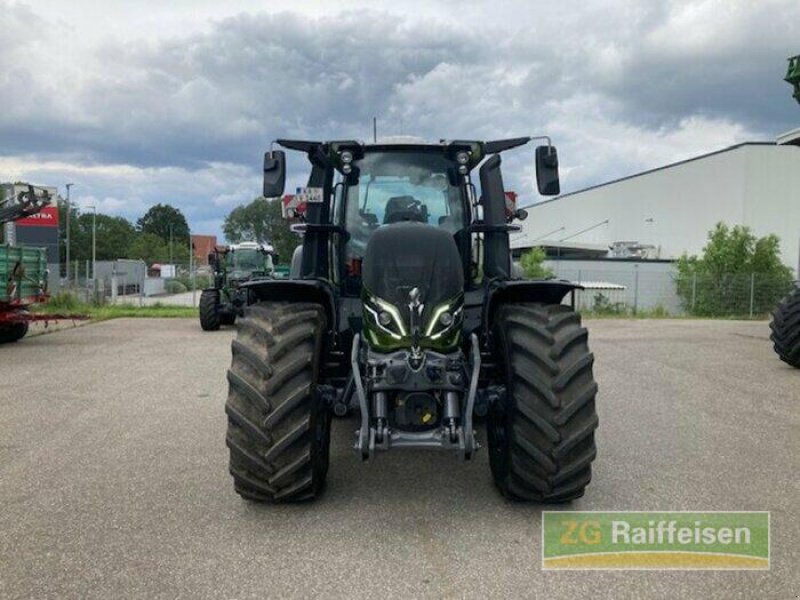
column 541, row 434
column 278, row 426
column 209, row 310
column 785, row 327
column 13, row 332
column 227, row 319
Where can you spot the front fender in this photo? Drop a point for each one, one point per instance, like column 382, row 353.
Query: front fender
column 297, row 290
column 546, row 291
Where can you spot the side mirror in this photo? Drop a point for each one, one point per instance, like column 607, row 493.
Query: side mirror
column 547, row 171
column 521, row 214
column 274, row 173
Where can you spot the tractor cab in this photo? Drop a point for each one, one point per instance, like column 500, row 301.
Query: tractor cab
column 247, row 260
column 356, row 189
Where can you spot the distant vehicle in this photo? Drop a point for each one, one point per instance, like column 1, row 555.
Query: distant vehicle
column 785, row 323
column 233, row 266
column 785, row 328
column 23, row 270
column 24, row 275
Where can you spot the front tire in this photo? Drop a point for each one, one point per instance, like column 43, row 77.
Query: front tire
column 13, row 332
column 278, row 427
column 209, row 310
column 541, row 435
column 785, row 327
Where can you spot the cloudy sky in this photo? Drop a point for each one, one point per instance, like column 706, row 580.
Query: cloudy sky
column 145, row 102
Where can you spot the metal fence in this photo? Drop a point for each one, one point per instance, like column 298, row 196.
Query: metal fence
column 612, row 287
column 657, row 288
column 129, row 282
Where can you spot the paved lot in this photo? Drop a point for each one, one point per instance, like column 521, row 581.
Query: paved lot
column 113, row 479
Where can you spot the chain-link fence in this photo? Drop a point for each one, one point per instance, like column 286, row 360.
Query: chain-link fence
column 132, row 282
column 611, row 288
column 657, row 288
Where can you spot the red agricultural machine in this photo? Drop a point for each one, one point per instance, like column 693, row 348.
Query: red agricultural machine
column 23, row 271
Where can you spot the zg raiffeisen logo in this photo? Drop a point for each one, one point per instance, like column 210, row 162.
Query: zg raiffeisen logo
column 655, row 540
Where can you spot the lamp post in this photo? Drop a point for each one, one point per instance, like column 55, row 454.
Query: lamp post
column 69, row 206
column 94, row 246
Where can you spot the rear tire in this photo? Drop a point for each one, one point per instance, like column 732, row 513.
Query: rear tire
column 13, row 332
column 227, row 319
column 209, row 310
column 785, row 327
column 541, row 435
column 278, row 427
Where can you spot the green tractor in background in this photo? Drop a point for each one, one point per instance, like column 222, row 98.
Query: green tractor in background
column 785, row 323
column 234, row 266
column 405, row 307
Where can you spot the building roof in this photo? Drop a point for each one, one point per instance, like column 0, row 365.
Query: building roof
column 791, row 138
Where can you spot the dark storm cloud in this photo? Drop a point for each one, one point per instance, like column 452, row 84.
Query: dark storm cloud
column 619, row 89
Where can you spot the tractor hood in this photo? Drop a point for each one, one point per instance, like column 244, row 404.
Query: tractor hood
column 408, row 255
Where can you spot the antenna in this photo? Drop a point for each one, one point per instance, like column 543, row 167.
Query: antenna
column 375, row 130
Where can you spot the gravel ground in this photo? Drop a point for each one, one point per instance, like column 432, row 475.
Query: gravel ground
column 113, row 476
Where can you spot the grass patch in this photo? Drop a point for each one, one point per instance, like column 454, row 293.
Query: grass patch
column 65, row 304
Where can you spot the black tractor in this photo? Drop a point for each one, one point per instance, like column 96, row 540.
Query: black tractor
column 407, row 309
column 233, row 266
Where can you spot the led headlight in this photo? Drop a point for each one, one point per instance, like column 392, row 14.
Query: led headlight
column 346, row 169
column 384, row 318
column 444, row 319
column 347, row 157
column 463, row 169
column 462, row 158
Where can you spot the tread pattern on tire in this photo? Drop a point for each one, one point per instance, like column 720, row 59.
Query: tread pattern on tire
column 278, row 431
column 546, row 447
column 785, row 328
column 209, row 312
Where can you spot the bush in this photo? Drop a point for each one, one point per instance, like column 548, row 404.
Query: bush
column 603, row 306
column 65, row 301
column 532, row 263
column 174, row 286
column 201, row 282
column 737, row 275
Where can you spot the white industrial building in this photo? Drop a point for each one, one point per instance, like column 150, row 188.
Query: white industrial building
column 667, row 211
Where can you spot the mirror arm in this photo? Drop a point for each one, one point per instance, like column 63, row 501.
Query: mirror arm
column 547, row 139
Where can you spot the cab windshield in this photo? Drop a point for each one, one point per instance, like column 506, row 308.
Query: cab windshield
column 401, row 186
column 246, row 261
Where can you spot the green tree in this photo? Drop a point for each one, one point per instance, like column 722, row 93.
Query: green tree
column 159, row 219
column 532, row 263
column 114, row 237
column 736, row 272
column 152, row 249
column 261, row 221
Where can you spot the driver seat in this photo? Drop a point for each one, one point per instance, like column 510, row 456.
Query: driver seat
column 405, row 208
